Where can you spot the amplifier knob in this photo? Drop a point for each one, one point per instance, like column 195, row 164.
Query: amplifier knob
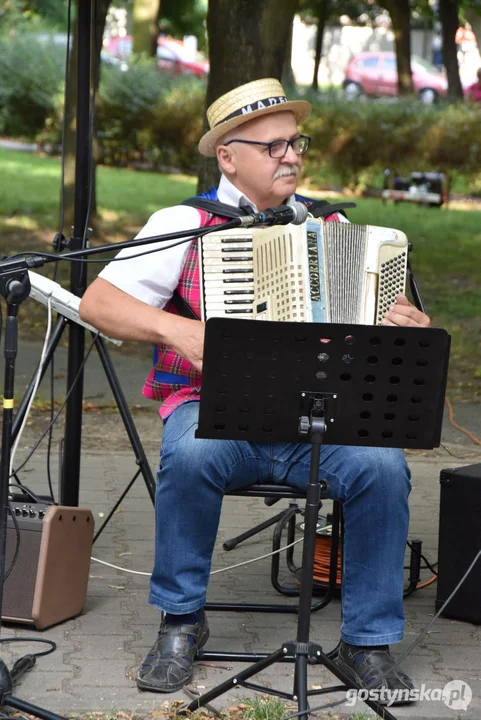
column 24, row 512
column 18, row 511
column 32, row 513
column 41, row 515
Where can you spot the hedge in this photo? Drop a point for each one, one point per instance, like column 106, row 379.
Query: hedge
column 357, row 140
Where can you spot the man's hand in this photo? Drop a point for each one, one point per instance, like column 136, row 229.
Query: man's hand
column 404, row 314
column 188, row 340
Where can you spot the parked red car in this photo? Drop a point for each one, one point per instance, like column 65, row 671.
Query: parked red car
column 375, row 74
column 172, row 55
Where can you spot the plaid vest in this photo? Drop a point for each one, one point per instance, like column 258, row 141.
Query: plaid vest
column 173, row 380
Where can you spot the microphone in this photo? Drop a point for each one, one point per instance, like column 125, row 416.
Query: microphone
column 283, row 215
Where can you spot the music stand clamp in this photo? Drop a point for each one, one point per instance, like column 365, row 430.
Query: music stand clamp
column 338, row 384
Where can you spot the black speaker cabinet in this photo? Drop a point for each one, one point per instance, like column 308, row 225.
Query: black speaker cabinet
column 51, row 560
column 459, row 542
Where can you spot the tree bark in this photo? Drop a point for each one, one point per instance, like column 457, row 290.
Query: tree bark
column 145, row 28
column 474, row 19
column 247, row 41
column 322, row 15
column 287, row 76
column 449, row 17
column 399, row 11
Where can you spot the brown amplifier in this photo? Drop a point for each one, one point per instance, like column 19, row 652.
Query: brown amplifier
column 48, row 582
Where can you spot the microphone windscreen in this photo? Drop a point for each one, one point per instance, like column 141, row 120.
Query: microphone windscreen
column 300, row 213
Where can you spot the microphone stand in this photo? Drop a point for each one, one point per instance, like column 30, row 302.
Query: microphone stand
column 14, row 287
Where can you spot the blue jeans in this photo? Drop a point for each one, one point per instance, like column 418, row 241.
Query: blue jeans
column 372, row 483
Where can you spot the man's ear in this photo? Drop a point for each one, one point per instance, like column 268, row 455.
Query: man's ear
column 226, row 159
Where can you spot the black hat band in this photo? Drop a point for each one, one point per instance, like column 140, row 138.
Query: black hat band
column 252, row 107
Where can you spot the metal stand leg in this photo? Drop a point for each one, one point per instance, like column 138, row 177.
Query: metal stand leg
column 233, row 542
column 126, row 416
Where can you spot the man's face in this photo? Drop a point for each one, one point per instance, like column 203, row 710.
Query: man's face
column 265, row 180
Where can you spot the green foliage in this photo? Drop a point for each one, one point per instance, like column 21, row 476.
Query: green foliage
column 31, row 74
column 145, row 117
column 184, row 17
column 358, row 140
column 33, row 15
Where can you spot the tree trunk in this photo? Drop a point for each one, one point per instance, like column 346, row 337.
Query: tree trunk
column 448, row 15
column 102, row 7
column 145, row 27
column 247, row 41
column 474, row 19
column 322, row 15
column 399, row 11
column 287, row 76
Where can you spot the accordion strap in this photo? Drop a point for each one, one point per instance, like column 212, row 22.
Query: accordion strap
column 217, row 208
column 322, row 208
column 182, row 306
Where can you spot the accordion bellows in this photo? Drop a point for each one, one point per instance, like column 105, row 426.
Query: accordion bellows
column 315, row 272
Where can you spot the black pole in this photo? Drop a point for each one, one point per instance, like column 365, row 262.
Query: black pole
column 70, row 480
column 10, row 354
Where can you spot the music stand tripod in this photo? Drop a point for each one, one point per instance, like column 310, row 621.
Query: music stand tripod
column 14, row 287
column 311, row 382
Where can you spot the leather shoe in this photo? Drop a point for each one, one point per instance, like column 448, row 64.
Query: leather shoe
column 170, row 663
column 371, row 668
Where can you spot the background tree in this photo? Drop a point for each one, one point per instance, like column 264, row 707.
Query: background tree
column 184, row 17
column 247, row 40
column 321, row 9
column 400, row 14
column 145, row 29
column 449, row 18
column 471, row 11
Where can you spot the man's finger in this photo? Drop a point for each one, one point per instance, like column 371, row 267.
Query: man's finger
column 401, row 299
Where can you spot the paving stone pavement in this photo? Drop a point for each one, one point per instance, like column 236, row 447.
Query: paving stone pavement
column 93, row 668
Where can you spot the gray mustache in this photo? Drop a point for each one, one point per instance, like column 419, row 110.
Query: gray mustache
column 284, row 171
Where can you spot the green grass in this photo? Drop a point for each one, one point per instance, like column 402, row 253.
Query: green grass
column 272, row 708
column 30, row 195
column 445, row 258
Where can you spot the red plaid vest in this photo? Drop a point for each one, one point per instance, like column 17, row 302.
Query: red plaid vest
column 173, row 380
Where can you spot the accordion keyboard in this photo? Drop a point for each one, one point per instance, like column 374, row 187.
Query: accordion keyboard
column 227, row 274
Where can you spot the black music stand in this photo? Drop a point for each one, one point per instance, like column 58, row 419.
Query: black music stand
column 318, row 383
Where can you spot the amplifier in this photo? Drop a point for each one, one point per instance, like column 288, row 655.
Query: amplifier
column 48, row 582
column 459, row 541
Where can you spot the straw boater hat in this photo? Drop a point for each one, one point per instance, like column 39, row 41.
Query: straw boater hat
column 245, row 103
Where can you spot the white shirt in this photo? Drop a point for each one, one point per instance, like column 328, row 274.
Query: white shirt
column 153, row 278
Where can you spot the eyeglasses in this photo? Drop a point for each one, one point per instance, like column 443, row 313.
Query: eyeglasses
column 279, row 148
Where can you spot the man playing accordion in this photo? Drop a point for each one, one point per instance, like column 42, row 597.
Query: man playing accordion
column 254, row 135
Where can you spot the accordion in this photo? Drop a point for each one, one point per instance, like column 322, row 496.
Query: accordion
column 315, row 272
